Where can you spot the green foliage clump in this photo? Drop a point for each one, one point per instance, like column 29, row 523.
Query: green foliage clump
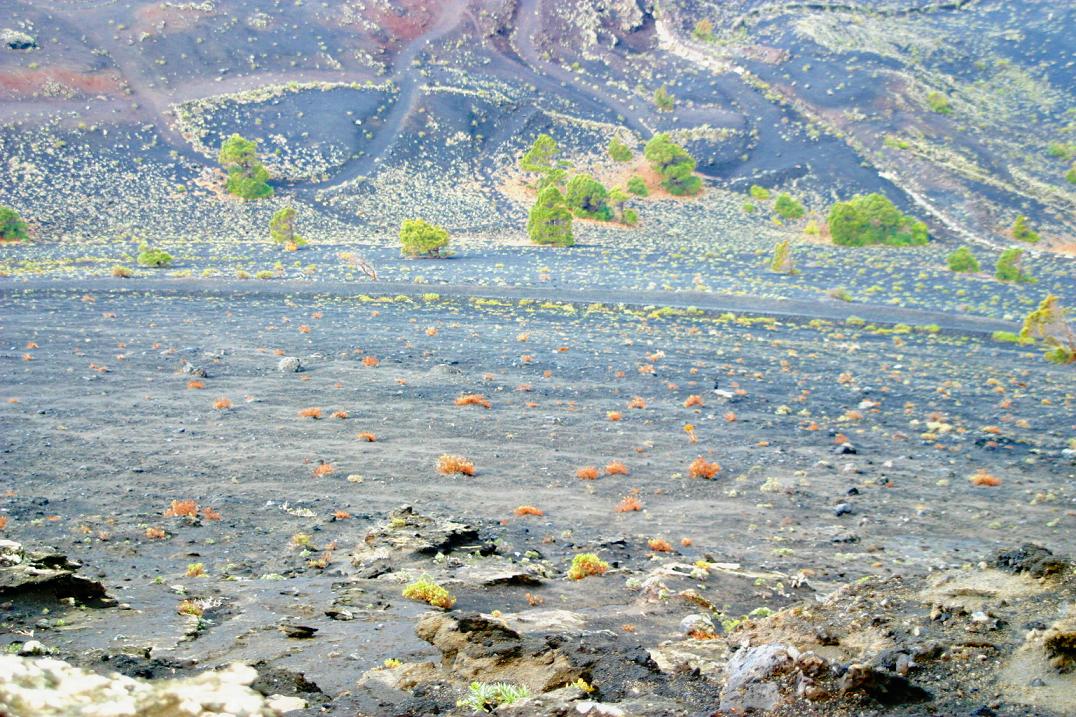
column 674, row 164
column 247, row 176
column 588, row 197
column 637, row 186
column 12, row 227
column 781, row 261
column 619, row 151
column 282, row 228
column 1049, row 323
column 1061, row 150
column 873, row 219
column 483, row 697
column 704, row 31
column 426, row 590
column 1070, row 176
column 550, row 220
column 962, row 260
column 1022, row 232
column 664, row 100
column 1008, row 337
column 155, row 258
column 585, row 565
column 749, row 207
column 1010, row 267
column 939, row 103
column 759, row 193
column 630, row 217
column 539, row 159
column 787, row 207
column 420, row 238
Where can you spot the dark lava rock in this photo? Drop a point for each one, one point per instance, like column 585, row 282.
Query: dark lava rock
column 1029, row 558
column 44, row 574
column 408, row 535
column 884, row 687
column 275, row 680
column 842, row 509
column 15, row 40
column 299, row 632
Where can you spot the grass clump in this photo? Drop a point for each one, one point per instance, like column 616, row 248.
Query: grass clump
column 587, row 564
column 426, row 590
column 939, row 103
column 781, row 261
column 155, row 258
column 488, row 696
column 788, row 208
column 758, row 192
column 122, row 272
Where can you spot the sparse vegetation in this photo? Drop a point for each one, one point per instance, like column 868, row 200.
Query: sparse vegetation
column 426, row 590
column 586, row 565
column 619, row 151
column 550, row 220
column 787, row 207
column 873, row 219
column 781, row 261
column 1021, row 231
column 939, row 102
column 487, row 697
column 282, row 229
column 154, row 258
column 664, row 100
column 1049, row 323
column 247, row 176
column 703, row 31
column 1010, row 267
column 420, row 238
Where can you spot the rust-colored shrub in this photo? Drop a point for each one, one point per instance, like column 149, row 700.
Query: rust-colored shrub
column 702, row 468
column 637, row 402
column 659, row 545
column 614, row 416
column 982, row 478
column 156, row 534
column 210, row 514
column 341, row 515
column 371, row 361
column 693, row 400
column 182, row 509
column 616, row 468
column 312, row 412
column 587, row 473
column 366, row 436
column 323, row 469
column 528, row 510
column 339, row 415
column 195, row 385
column 628, row 504
column 222, row 404
column 473, row 399
column 449, row 465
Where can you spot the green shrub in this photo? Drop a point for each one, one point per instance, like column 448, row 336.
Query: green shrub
column 540, row 157
column 1049, row 323
column 1010, row 267
column 550, row 220
column 155, row 258
column 247, row 176
column 781, row 261
column 1070, row 176
column 962, row 260
column 483, row 697
column 704, row 31
column 673, row 163
column 588, row 197
column 282, row 228
column 637, row 186
column 264, row 274
column 748, row 208
column 787, row 207
column 1008, row 337
column 631, row 217
column 426, row 590
column 1061, row 150
column 663, row 100
column 939, row 103
column 420, row 238
column 12, row 227
column 619, row 151
column 759, row 193
column 873, row 219
column 1022, row 232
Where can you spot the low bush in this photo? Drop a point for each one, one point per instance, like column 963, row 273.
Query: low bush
column 420, row 238
column 962, row 260
column 873, row 219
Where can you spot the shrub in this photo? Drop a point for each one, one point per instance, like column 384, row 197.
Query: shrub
column 450, row 465
column 12, row 227
column 1049, row 323
column 282, row 228
column 939, row 103
column 528, row 510
column 426, row 590
column 122, row 272
column 1022, row 232
column 704, row 31
column 962, row 260
column 702, row 468
column 587, row 197
column 1010, row 267
column 1008, row 337
column 663, row 100
column 637, row 186
column 539, row 158
column 619, row 151
column 787, row 207
column 485, row 697
column 781, row 261
column 616, row 468
column 873, row 219
column 154, row 258
column 674, row 164
column 587, row 564
column 587, row 473
column 247, row 176
column 550, row 220
column 631, row 217
column 760, row 193
column 1070, row 176
column 473, row 399
column 420, row 238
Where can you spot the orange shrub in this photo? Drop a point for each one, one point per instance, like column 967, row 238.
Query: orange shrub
column 210, row 514
column 341, row 515
column 473, row 399
column 628, row 504
column 3, row 522
column 616, row 468
column 702, row 468
column 982, row 478
column 323, row 469
column 449, row 464
column 529, row 510
column 194, row 384
column 637, row 402
column 156, row 534
column 587, row 473
column 182, row 508
column 222, row 404
column 312, row 412
column 371, row 361
column 340, row 414
column 304, row 329
column 693, row 400
column 659, row 545
column 366, row 436
column 613, row 416
column 431, row 331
